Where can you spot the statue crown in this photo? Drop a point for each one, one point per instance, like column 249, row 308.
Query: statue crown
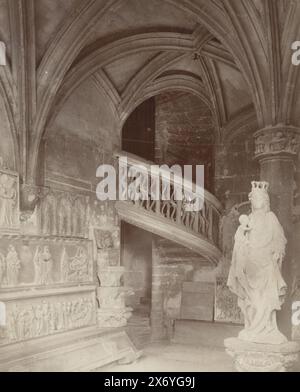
column 262, row 185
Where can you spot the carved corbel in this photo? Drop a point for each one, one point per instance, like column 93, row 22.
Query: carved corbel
column 30, row 195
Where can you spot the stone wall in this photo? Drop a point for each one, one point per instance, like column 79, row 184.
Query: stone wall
column 235, row 169
column 185, row 132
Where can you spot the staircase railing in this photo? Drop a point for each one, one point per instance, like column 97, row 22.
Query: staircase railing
column 204, row 222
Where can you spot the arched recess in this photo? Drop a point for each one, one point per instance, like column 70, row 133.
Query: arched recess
column 199, row 139
column 72, row 38
column 215, row 17
column 175, row 82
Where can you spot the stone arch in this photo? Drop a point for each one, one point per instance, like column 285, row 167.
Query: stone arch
column 164, row 84
column 72, row 38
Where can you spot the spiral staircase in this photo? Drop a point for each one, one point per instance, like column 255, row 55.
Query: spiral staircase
column 197, row 230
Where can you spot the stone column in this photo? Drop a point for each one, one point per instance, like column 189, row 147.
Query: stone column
column 276, row 149
column 158, row 330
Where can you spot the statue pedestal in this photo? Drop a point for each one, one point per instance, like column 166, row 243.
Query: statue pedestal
column 254, row 357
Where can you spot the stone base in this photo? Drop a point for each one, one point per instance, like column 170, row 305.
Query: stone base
column 77, row 351
column 113, row 318
column 254, row 357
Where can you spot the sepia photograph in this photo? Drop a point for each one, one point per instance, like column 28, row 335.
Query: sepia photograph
column 149, row 189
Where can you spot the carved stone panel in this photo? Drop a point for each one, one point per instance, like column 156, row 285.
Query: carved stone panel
column 36, row 314
column 64, row 214
column 9, row 201
column 226, row 307
column 277, row 140
column 38, row 261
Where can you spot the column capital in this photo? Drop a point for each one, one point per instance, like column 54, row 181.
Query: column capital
column 277, row 141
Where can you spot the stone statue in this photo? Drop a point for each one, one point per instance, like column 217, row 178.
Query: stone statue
column 43, row 264
column 13, row 266
column 8, row 200
column 255, row 273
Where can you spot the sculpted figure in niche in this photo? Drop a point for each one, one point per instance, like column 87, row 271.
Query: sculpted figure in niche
column 65, row 217
column 49, row 215
column 13, row 266
column 279, row 141
column 43, row 265
column 78, row 218
column 102, row 217
column 255, row 273
column 8, row 200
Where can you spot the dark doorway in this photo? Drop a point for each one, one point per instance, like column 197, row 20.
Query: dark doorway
column 138, row 137
column 139, row 131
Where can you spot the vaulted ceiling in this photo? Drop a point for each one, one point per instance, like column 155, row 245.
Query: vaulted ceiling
column 234, row 54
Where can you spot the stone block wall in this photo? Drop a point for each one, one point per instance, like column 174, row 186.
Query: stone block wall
column 235, row 169
column 184, row 132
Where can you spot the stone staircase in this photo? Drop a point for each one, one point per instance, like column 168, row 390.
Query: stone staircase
column 180, row 221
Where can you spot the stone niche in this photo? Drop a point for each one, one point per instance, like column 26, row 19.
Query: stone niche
column 48, row 282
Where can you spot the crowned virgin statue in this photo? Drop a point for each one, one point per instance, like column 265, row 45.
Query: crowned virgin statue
column 255, row 273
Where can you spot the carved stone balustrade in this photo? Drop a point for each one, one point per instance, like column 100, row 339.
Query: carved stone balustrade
column 192, row 222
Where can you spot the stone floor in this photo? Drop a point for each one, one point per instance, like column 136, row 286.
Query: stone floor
column 195, row 347
column 174, row 357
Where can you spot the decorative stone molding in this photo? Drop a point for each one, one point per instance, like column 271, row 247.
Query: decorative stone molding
column 279, row 140
column 254, row 357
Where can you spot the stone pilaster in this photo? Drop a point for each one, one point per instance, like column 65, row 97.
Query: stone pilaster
column 158, row 330
column 276, row 149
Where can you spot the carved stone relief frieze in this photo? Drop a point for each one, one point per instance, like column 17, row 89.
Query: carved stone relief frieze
column 277, row 140
column 64, row 214
column 76, row 268
column 36, row 261
column 35, row 318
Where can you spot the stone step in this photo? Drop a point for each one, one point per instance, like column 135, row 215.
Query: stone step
column 203, row 333
column 84, row 350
